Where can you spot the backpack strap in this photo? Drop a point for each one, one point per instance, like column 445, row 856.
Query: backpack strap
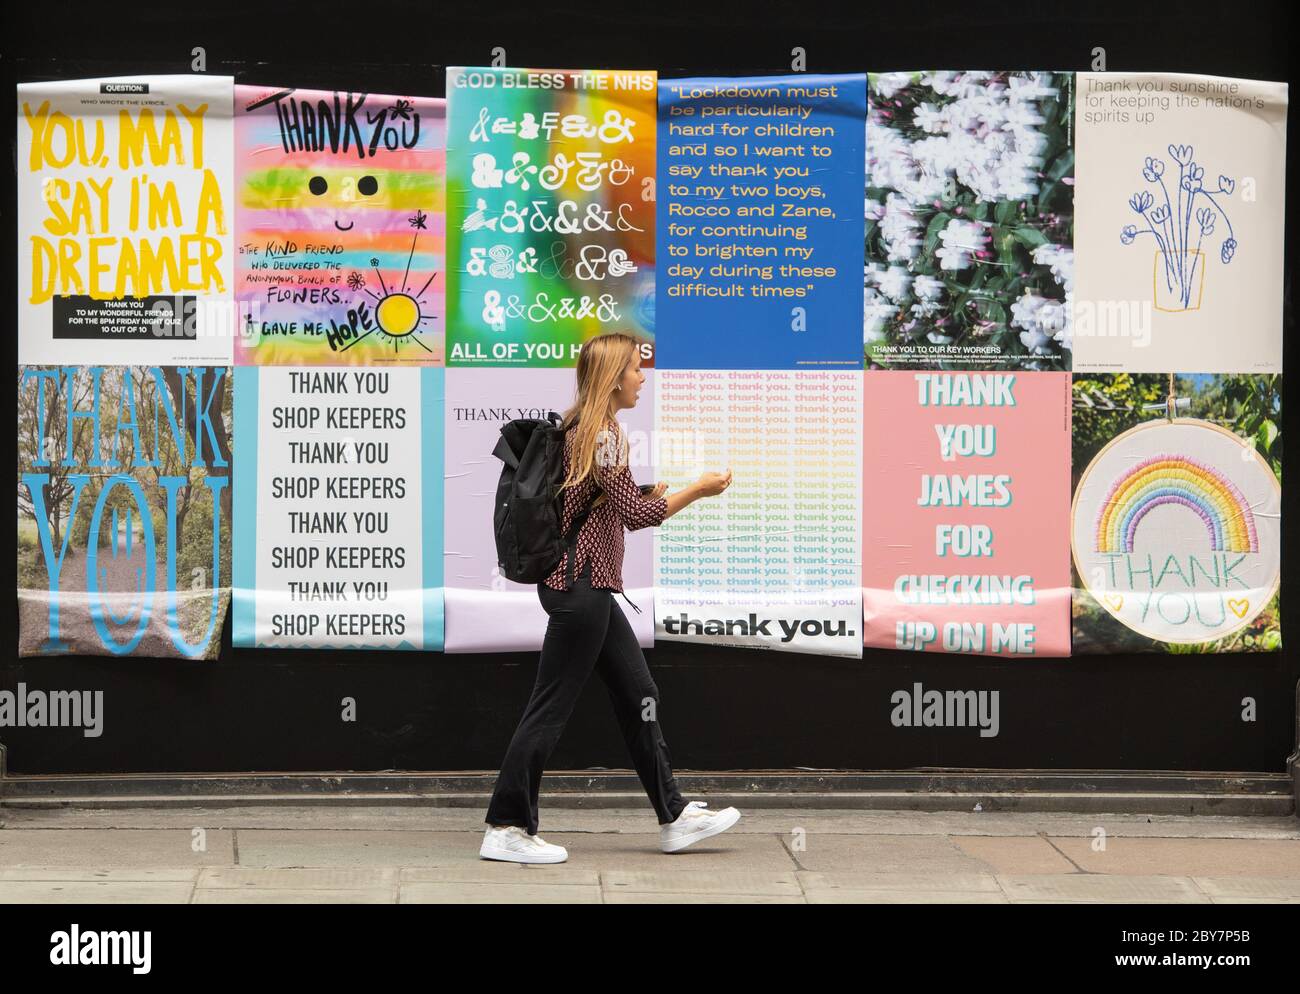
column 571, row 539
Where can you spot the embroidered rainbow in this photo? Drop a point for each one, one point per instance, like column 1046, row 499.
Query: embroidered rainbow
column 1169, row 479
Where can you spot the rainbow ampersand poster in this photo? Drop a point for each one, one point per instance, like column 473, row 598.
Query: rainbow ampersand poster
column 339, row 228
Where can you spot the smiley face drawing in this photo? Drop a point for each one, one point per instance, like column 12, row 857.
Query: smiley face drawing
column 351, row 188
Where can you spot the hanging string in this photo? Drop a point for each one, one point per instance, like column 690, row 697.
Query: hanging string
column 1169, row 400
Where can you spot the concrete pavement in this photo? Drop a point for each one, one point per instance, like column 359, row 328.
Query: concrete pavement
column 320, row 854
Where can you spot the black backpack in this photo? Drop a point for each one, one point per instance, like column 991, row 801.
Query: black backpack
column 528, row 513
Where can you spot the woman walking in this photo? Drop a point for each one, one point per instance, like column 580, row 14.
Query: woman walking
column 587, row 629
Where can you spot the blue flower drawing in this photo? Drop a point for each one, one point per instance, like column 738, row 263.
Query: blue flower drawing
column 1178, row 224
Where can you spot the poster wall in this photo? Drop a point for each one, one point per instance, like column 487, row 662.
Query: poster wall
column 970, row 215
column 550, row 212
column 1181, row 192
column 124, row 220
column 1176, row 519
column 760, row 223
column 965, row 510
column 485, row 611
column 338, row 501
column 340, row 228
column 775, row 562
column 124, row 509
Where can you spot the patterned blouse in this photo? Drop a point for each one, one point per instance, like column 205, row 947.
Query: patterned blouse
column 600, row 540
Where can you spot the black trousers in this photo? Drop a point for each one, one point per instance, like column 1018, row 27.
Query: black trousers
column 586, row 630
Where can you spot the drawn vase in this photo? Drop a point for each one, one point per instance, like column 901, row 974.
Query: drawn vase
column 1178, row 287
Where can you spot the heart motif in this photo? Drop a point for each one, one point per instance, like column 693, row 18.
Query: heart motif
column 1239, row 607
column 1114, row 601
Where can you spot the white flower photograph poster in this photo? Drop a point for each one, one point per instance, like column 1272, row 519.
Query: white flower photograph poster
column 1180, row 194
column 969, row 220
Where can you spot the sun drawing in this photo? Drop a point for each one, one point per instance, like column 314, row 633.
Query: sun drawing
column 397, row 312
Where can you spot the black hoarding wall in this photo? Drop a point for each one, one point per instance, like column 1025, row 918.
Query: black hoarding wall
column 723, row 709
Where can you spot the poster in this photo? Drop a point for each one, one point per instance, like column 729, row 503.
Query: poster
column 966, row 483
column 338, row 508
column 760, row 223
column 1181, row 193
column 124, row 220
column 775, row 562
column 1176, row 519
column 485, row 611
column 970, row 219
column 339, row 228
column 124, row 508
column 550, row 212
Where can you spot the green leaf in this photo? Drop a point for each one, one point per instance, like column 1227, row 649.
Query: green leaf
column 1031, row 238
column 937, row 224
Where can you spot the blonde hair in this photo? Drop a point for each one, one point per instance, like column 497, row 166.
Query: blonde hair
column 601, row 365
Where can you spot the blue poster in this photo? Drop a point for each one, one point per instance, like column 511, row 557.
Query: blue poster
column 760, row 222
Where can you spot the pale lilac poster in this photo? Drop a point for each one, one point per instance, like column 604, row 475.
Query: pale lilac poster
column 485, row 612
column 966, row 505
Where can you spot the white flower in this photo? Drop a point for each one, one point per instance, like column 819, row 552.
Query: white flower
column 927, row 288
column 886, row 84
column 1061, row 261
column 876, row 313
column 900, row 229
column 928, row 117
column 894, row 283
column 960, row 239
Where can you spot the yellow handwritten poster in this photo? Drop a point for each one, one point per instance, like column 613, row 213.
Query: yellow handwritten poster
column 125, row 219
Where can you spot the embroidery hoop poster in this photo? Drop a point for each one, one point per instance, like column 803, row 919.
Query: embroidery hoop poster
column 124, row 220
column 340, row 228
column 1180, row 196
column 550, row 212
column 1176, row 530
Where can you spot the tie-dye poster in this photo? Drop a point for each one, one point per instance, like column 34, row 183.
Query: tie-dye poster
column 124, row 220
column 550, row 212
column 339, row 228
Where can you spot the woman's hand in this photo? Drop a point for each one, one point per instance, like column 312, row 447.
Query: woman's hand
column 659, row 490
column 712, row 484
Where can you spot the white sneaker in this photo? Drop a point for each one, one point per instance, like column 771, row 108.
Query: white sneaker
column 695, row 823
column 513, row 844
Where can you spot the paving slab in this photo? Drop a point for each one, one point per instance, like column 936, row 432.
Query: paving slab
column 646, row 897
column 915, row 881
column 470, row 893
column 1014, row 853
column 113, row 848
column 1091, row 887
column 308, row 895
column 735, row 882
column 496, row 872
column 884, row 854
column 904, row 897
column 139, row 874
column 274, row 847
column 94, row 892
column 298, row 878
column 1272, row 888
column 1187, row 857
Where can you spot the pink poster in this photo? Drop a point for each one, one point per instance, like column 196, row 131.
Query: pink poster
column 966, row 506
